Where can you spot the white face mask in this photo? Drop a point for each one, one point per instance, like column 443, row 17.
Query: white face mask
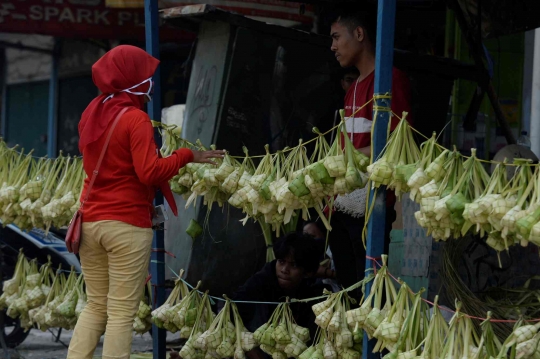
column 147, row 93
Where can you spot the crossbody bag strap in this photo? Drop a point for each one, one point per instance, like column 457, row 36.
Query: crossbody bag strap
column 95, row 173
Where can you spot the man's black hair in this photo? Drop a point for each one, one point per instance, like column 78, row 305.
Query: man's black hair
column 302, row 248
column 353, row 18
column 349, row 70
column 319, row 224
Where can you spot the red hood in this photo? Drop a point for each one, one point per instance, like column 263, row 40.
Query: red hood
column 119, row 69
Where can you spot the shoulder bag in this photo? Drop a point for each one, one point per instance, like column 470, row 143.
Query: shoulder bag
column 74, row 232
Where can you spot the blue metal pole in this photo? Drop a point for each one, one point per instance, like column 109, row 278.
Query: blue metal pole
column 157, row 265
column 384, row 56
column 52, row 122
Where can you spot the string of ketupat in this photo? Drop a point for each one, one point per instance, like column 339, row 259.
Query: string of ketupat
column 434, row 304
column 325, row 296
column 14, row 149
column 363, row 282
column 188, row 143
column 293, row 300
column 479, row 159
column 396, row 326
column 16, row 251
column 172, row 129
column 370, row 202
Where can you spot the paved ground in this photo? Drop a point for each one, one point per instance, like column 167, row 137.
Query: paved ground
column 41, row 345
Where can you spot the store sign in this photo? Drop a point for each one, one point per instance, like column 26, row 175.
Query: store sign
column 266, row 9
column 76, row 19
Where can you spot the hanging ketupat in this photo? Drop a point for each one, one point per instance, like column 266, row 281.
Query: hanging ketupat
column 281, row 336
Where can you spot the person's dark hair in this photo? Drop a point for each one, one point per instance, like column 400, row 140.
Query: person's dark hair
column 319, row 224
column 353, row 19
column 349, row 70
column 302, row 248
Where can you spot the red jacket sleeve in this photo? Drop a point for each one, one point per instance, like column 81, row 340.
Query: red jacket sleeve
column 151, row 169
column 401, row 96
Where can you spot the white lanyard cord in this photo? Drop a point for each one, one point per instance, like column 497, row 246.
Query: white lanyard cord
column 354, row 107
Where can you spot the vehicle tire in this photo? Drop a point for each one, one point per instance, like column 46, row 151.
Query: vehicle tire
column 14, row 334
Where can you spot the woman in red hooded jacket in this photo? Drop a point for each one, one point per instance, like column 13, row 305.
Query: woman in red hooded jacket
column 117, row 216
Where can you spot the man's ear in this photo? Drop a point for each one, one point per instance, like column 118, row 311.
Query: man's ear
column 359, row 34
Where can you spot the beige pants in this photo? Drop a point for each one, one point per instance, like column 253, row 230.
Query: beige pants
column 114, row 260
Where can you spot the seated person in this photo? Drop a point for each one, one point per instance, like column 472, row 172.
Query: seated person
column 326, row 270
column 290, row 275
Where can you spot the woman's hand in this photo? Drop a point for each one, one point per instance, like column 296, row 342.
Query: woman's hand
column 205, row 156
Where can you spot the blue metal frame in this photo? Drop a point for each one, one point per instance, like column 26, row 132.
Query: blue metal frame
column 52, row 124
column 383, row 84
column 157, row 265
column 384, row 58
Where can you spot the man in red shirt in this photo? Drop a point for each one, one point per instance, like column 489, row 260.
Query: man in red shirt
column 353, row 42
